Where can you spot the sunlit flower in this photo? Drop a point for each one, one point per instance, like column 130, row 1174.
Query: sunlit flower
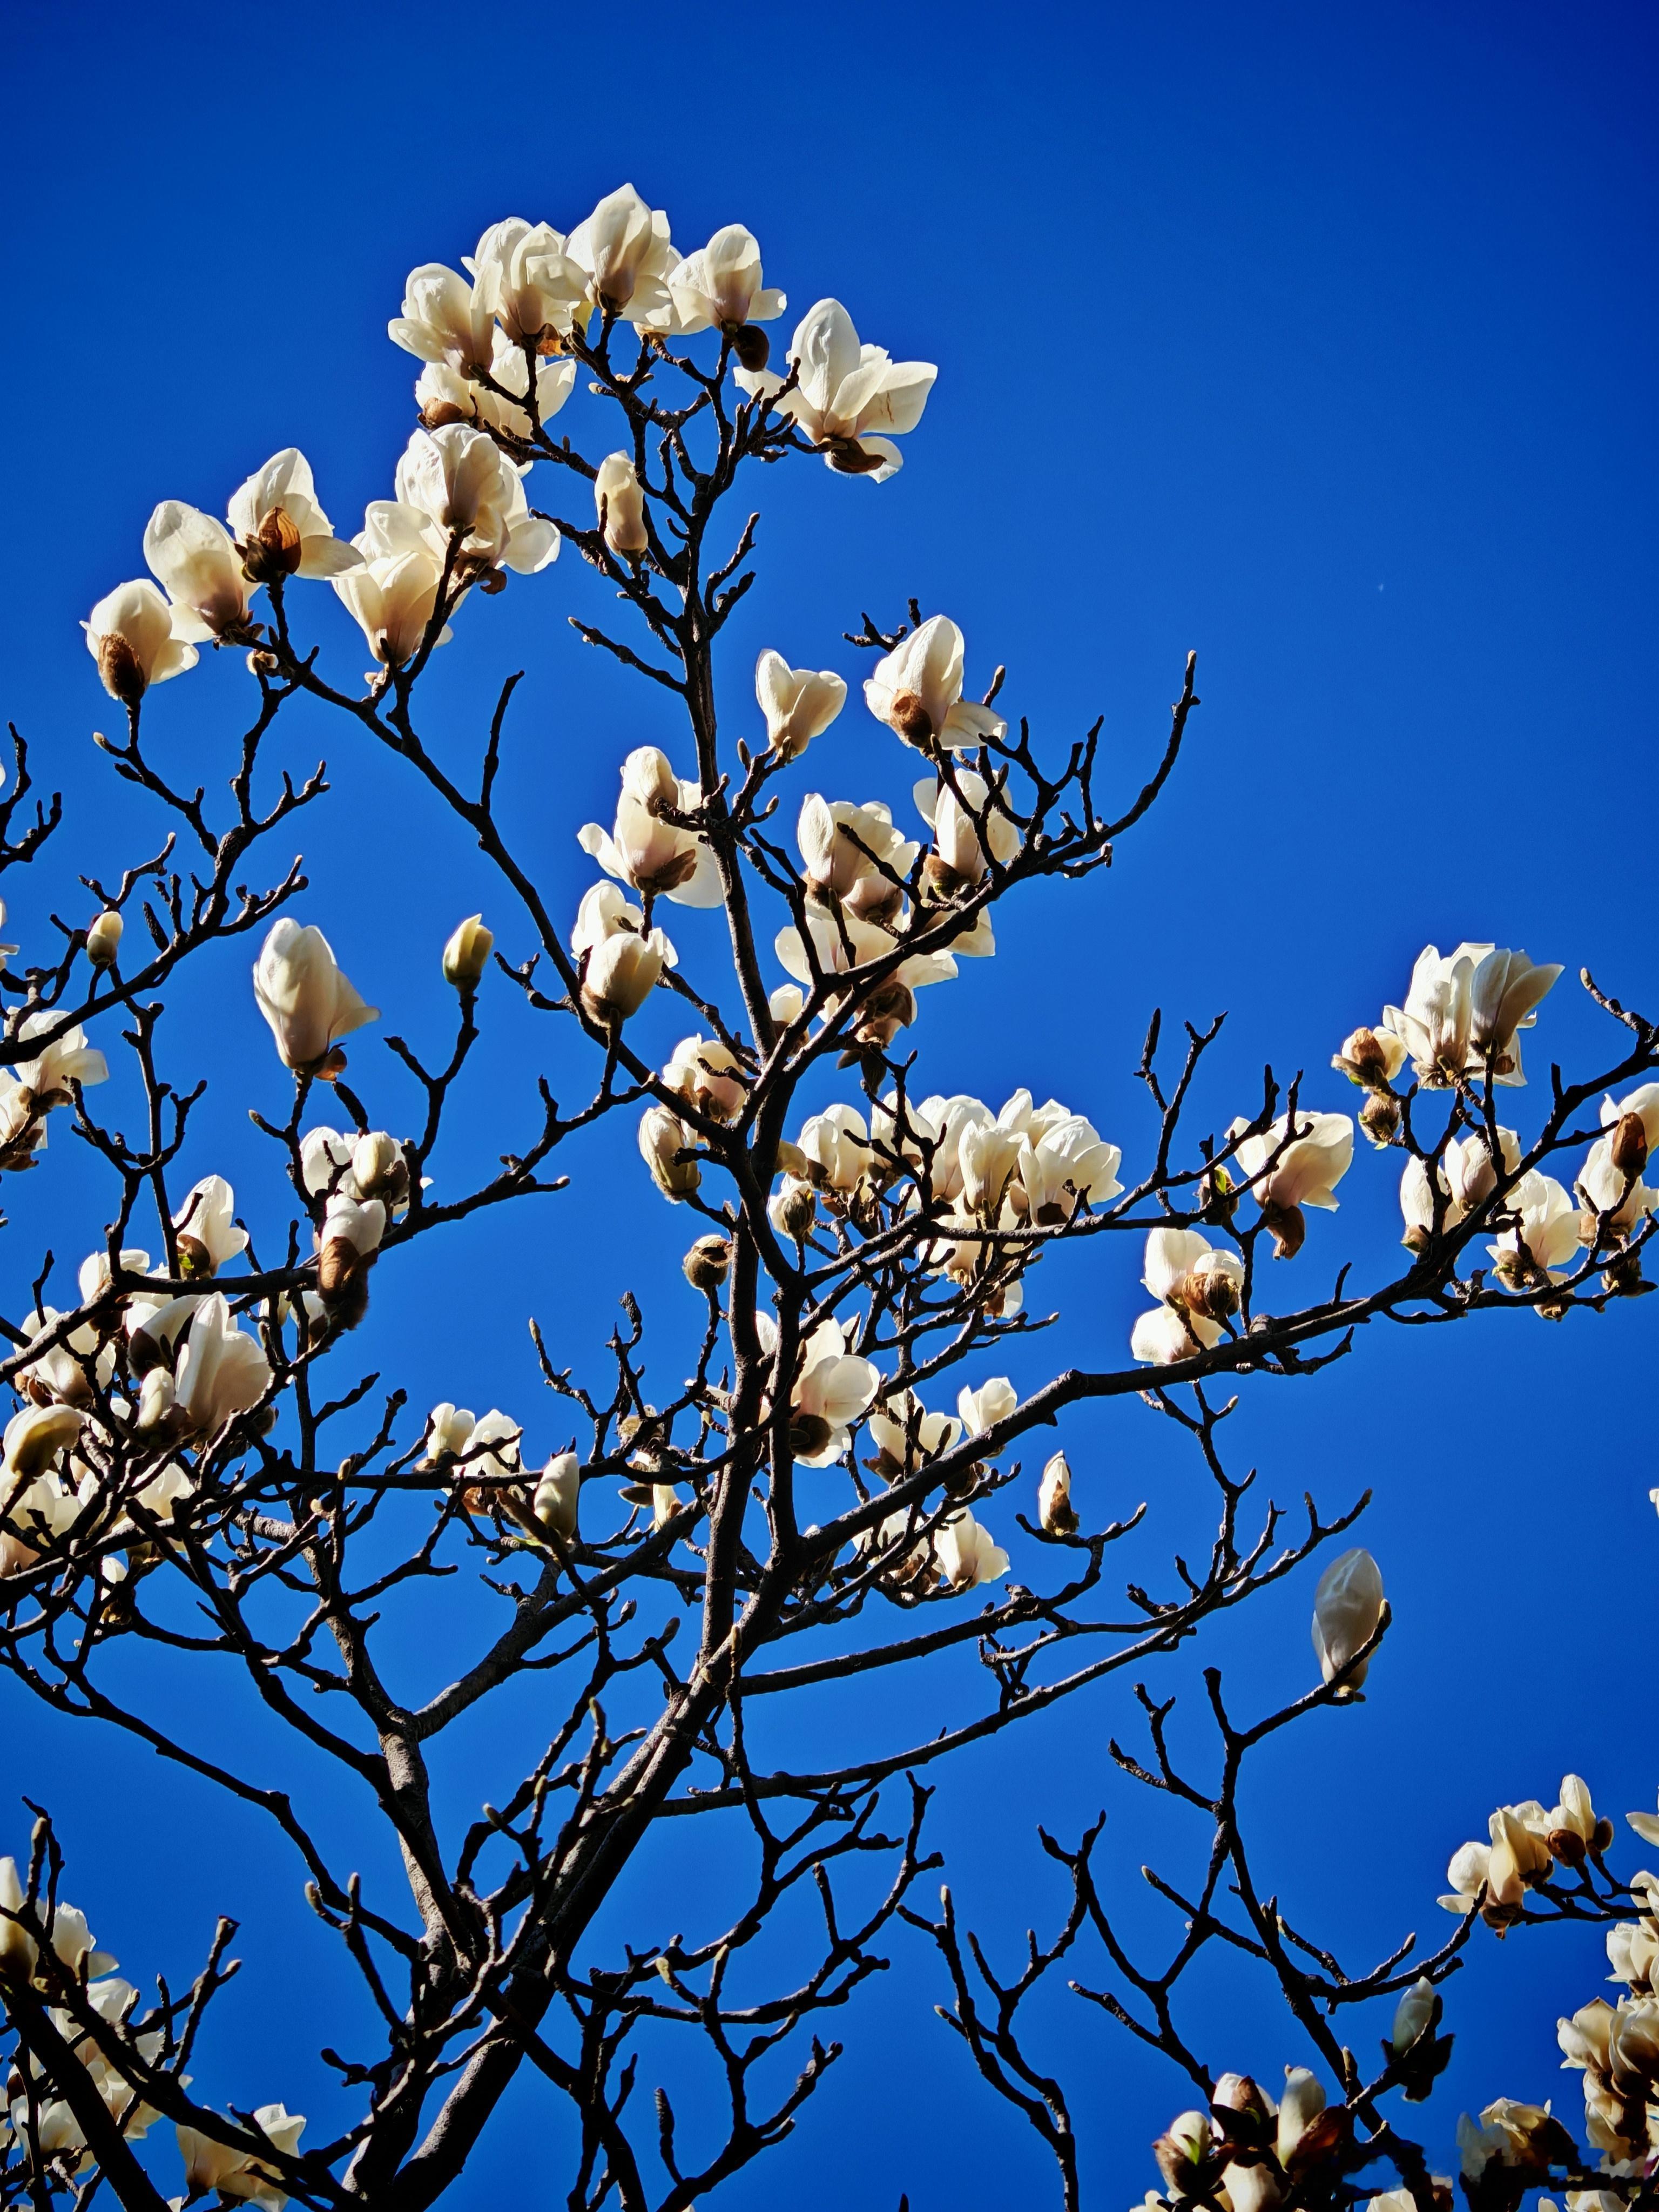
column 278, row 527
column 466, row 486
column 304, row 996
column 1199, row 1285
column 916, row 689
column 648, row 851
column 905, row 1434
column 444, row 395
column 523, row 274
column 191, row 556
column 1347, row 1608
column 619, row 503
column 720, row 286
column 835, row 1147
column 625, row 252
column 854, row 859
column 1544, row 1243
column 1055, row 1511
column 846, row 392
column 445, row 319
column 620, row 974
column 966, row 1554
column 982, row 1409
column 710, row 1075
column 832, row 1390
column 208, row 1234
column 663, row 1137
column 1288, row 1168
column 221, row 1370
column 798, row 703
column 393, row 596
column 1066, row 1167
column 130, row 635
column 209, row 2164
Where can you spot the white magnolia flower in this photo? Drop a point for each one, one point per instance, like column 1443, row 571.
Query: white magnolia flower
column 68, row 1059
column 709, row 1075
column 192, row 558
column 644, row 850
column 905, row 1434
column 278, row 527
column 1467, row 1178
column 1466, row 1876
column 1288, row 1168
column 466, row 953
column 834, row 1146
column 966, row 1554
column 1347, row 1606
column 619, row 503
column 852, row 855
column 960, row 860
column 916, row 689
column 846, row 393
column 1614, row 1201
column 620, row 974
column 624, row 254
column 558, row 1494
column 221, row 1370
column 462, row 481
column 990, row 1158
column 1644, row 1103
column 798, row 703
column 448, row 1431
column 1302, row 2102
column 981, row 1410
column 928, row 1136
column 66, row 1928
column 445, row 319
column 840, row 944
column 309, row 1004
column 523, row 274
column 209, row 2164
column 444, row 395
column 492, row 1455
column 1067, row 1166
column 1464, row 1004
column 208, row 1234
column 720, row 287
column 1544, row 1241
column 603, row 913
column 130, row 635
column 832, row 1390
column 393, row 596
column 663, row 1137
column 1199, row 1287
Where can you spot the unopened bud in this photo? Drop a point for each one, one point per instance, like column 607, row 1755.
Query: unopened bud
column 340, row 1266
column 438, row 414
column 194, row 1258
column 1363, row 1057
column 557, row 1495
column 708, row 1262
column 156, row 1396
column 1287, row 1227
column 467, row 954
column 794, row 1209
column 752, row 346
column 35, row 1436
column 1629, row 1149
column 104, row 939
column 1380, row 1117
column 1567, row 1846
column 1055, row 1511
column 1210, row 1292
column 121, row 669
column 379, row 1167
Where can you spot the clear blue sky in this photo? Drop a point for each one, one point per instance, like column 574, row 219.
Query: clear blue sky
column 1321, row 340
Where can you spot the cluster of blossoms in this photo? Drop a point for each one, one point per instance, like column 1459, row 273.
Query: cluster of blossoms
column 483, row 1456
column 71, row 1952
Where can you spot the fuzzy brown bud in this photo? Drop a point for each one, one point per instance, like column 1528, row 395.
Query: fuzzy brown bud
column 1379, row 1117
column 708, row 1262
column 118, row 665
column 1288, row 1229
column 752, row 346
column 1629, row 1150
column 911, row 719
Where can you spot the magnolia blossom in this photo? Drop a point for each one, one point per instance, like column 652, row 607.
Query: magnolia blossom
column 1465, row 1006
column 1288, row 1168
column 557, row 1495
column 393, row 595
column 905, row 1434
column 620, row 974
column 798, row 703
column 208, row 1234
column 130, row 635
column 347, row 1238
column 663, row 1137
column 65, row 1927
column 846, row 392
column 448, row 1431
column 462, row 481
column 645, row 851
column 444, row 395
column 966, row 1554
column 491, row 1459
column 1302, row 2102
column 853, row 856
column 709, row 1075
column 833, row 1387
column 68, row 1059
column 445, row 319
column 835, row 1147
column 1066, row 1167
column 836, row 944
column 193, row 557
column 221, row 1370
column 279, row 528
column 1347, row 1608
column 523, row 274
column 916, row 689
column 625, row 256
column 981, row 1410
column 1615, row 1199
column 1055, row 1511
column 466, row 953
column 990, row 1157
column 604, row 912
column 1544, row 1243
column 103, row 938
column 1200, row 1287
column 209, row 2164
column 1466, row 1179
column 309, row 1004
column 958, row 859
column 720, row 286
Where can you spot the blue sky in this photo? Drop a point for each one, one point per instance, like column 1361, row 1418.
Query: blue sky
column 1319, row 340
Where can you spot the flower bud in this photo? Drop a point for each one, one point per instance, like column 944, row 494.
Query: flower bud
column 467, row 954
column 620, row 506
column 620, row 974
column 752, row 346
column 156, row 1395
column 35, row 1438
column 557, row 1493
column 1287, row 1227
column 1299, row 2108
column 1380, row 1117
column 1629, row 1150
column 794, row 1209
column 1055, row 1511
column 104, row 939
column 1186, row 2152
column 708, row 1262
column 1418, row 2009
column 1347, row 1608
column 379, row 1167
column 663, row 1137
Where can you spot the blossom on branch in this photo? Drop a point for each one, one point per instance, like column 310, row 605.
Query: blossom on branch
column 798, row 703
column 916, row 689
column 309, row 1003
column 845, row 393
column 645, row 850
column 130, row 635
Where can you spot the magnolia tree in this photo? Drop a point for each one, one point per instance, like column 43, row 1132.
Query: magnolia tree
column 198, row 1465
